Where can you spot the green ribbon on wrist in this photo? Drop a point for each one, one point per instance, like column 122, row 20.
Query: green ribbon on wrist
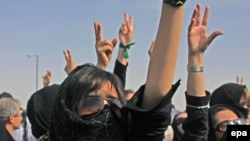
column 175, row 3
column 125, row 49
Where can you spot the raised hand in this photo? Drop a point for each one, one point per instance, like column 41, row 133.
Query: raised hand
column 126, row 31
column 239, row 80
column 47, row 78
column 70, row 63
column 198, row 38
column 198, row 42
column 104, row 48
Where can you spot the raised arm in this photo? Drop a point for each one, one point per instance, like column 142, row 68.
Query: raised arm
column 164, row 57
column 104, row 48
column 198, row 42
column 47, row 79
column 70, row 62
column 196, row 125
column 126, row 33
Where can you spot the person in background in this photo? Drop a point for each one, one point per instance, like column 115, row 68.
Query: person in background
column 10, row 118
column 177, row 125
column 24, row 132
column 39, row 106
column 232, row 94
column 219, row 117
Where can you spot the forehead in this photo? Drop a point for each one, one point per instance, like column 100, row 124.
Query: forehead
column 106, row 90
column 224, row 115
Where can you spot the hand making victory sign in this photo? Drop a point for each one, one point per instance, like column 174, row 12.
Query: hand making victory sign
column 104, row 48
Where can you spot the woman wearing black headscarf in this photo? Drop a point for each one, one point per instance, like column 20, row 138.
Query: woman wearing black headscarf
column 234, row 95
column 219, row 117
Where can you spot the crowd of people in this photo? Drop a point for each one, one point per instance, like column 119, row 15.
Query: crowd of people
column 93, row 104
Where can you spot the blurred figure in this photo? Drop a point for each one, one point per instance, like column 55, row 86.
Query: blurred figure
column 39, row 106
column 10, row 118
column 24, row 132
column 129, row 94
column 177, row 125
column 169, row 134
column 232, row 94
column 239, row 80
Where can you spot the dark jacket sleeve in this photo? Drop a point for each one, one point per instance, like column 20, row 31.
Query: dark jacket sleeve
column 120, row 70
column 149, row 125
column 196, row 124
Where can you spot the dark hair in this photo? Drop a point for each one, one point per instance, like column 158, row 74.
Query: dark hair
column 5, row 95
column 83, row 80
column 213, row 110
column 177, row 121
column 231, row 94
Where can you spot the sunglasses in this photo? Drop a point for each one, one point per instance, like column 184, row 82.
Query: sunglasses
column 93, row 105
column 222, row 127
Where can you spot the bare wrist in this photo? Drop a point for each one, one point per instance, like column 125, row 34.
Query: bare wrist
column 101, row 66
column 195, row 60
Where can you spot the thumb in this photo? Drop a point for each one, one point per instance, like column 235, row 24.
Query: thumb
column 214, row 35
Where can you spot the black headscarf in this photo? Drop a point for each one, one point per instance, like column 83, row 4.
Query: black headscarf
column 215, row 109
column 5, row 95
column 177, row 121
column 39, row 109
column 229, row 94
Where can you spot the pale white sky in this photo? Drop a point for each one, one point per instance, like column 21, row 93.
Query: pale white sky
column 46, row 28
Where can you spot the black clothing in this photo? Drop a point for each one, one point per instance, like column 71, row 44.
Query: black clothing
column 213, row 110
column 120, row 70
column 4, row 134
column 149, row 125
column 196, row 124
column 175, row 124
column 137, row 124
column 229, row 94
column 39, row 108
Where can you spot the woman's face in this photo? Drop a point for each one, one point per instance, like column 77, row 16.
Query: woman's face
column 220, row 117
column 97, row 99
column 243, row 101
column 182, row 115
column 107, row 90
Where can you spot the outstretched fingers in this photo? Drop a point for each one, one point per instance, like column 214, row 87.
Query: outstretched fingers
column 130, row 23
column 198, row 13
column 98, row 30
column 66, row 56
column 48, row 73
column 206, row 16
column 193, row 20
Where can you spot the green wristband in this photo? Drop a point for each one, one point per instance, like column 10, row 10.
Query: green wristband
column 125, row 47
column 175, row 3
